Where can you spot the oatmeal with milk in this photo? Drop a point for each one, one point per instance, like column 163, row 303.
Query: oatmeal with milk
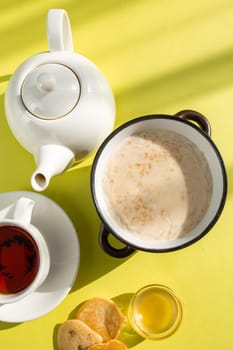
column 158, row 185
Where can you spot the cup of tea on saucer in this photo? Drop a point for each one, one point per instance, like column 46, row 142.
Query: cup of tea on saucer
column 24, row 254
column 155, row 312
column 39, row 255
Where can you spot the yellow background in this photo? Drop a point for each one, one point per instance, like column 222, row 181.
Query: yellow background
column 160, row 56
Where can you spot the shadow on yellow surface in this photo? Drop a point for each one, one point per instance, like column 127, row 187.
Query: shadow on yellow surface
column 230, row 179
column 158, row 93
column 75, row 198
column 24, row 24
column 16, row 163
column 4, row 78
column 127, row 335
column 55, row 331
column 6, row 325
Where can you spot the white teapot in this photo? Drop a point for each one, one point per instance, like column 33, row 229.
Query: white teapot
column 58, row 104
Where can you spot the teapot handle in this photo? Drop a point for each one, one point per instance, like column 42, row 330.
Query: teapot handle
column 59, row 33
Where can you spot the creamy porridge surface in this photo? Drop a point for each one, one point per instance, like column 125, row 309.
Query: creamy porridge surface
column 157, row 184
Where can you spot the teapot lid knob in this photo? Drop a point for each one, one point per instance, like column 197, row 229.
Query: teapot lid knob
column 50, row 91
column 46, row 82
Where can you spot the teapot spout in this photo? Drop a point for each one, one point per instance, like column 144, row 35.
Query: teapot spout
column 51, row 160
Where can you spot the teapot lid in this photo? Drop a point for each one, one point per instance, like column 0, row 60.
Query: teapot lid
column 50, row 91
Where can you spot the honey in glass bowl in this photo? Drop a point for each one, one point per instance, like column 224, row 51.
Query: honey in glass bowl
column 155, row 312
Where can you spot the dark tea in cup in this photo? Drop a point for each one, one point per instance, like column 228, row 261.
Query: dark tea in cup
column 19, row 259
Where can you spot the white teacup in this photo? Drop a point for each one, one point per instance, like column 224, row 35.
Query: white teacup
column 24, row 255
column 122, row 223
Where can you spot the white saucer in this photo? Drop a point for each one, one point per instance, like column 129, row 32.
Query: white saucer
column 63, row 244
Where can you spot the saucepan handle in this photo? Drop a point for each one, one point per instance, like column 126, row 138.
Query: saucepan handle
column 196, row 117
column 108, row 248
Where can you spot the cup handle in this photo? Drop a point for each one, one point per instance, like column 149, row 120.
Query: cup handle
column 59, row 33
column 23, row 210
column 196, row 117
column 108, row 248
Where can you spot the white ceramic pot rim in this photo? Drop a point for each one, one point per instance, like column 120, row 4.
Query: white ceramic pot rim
column 215, row 162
